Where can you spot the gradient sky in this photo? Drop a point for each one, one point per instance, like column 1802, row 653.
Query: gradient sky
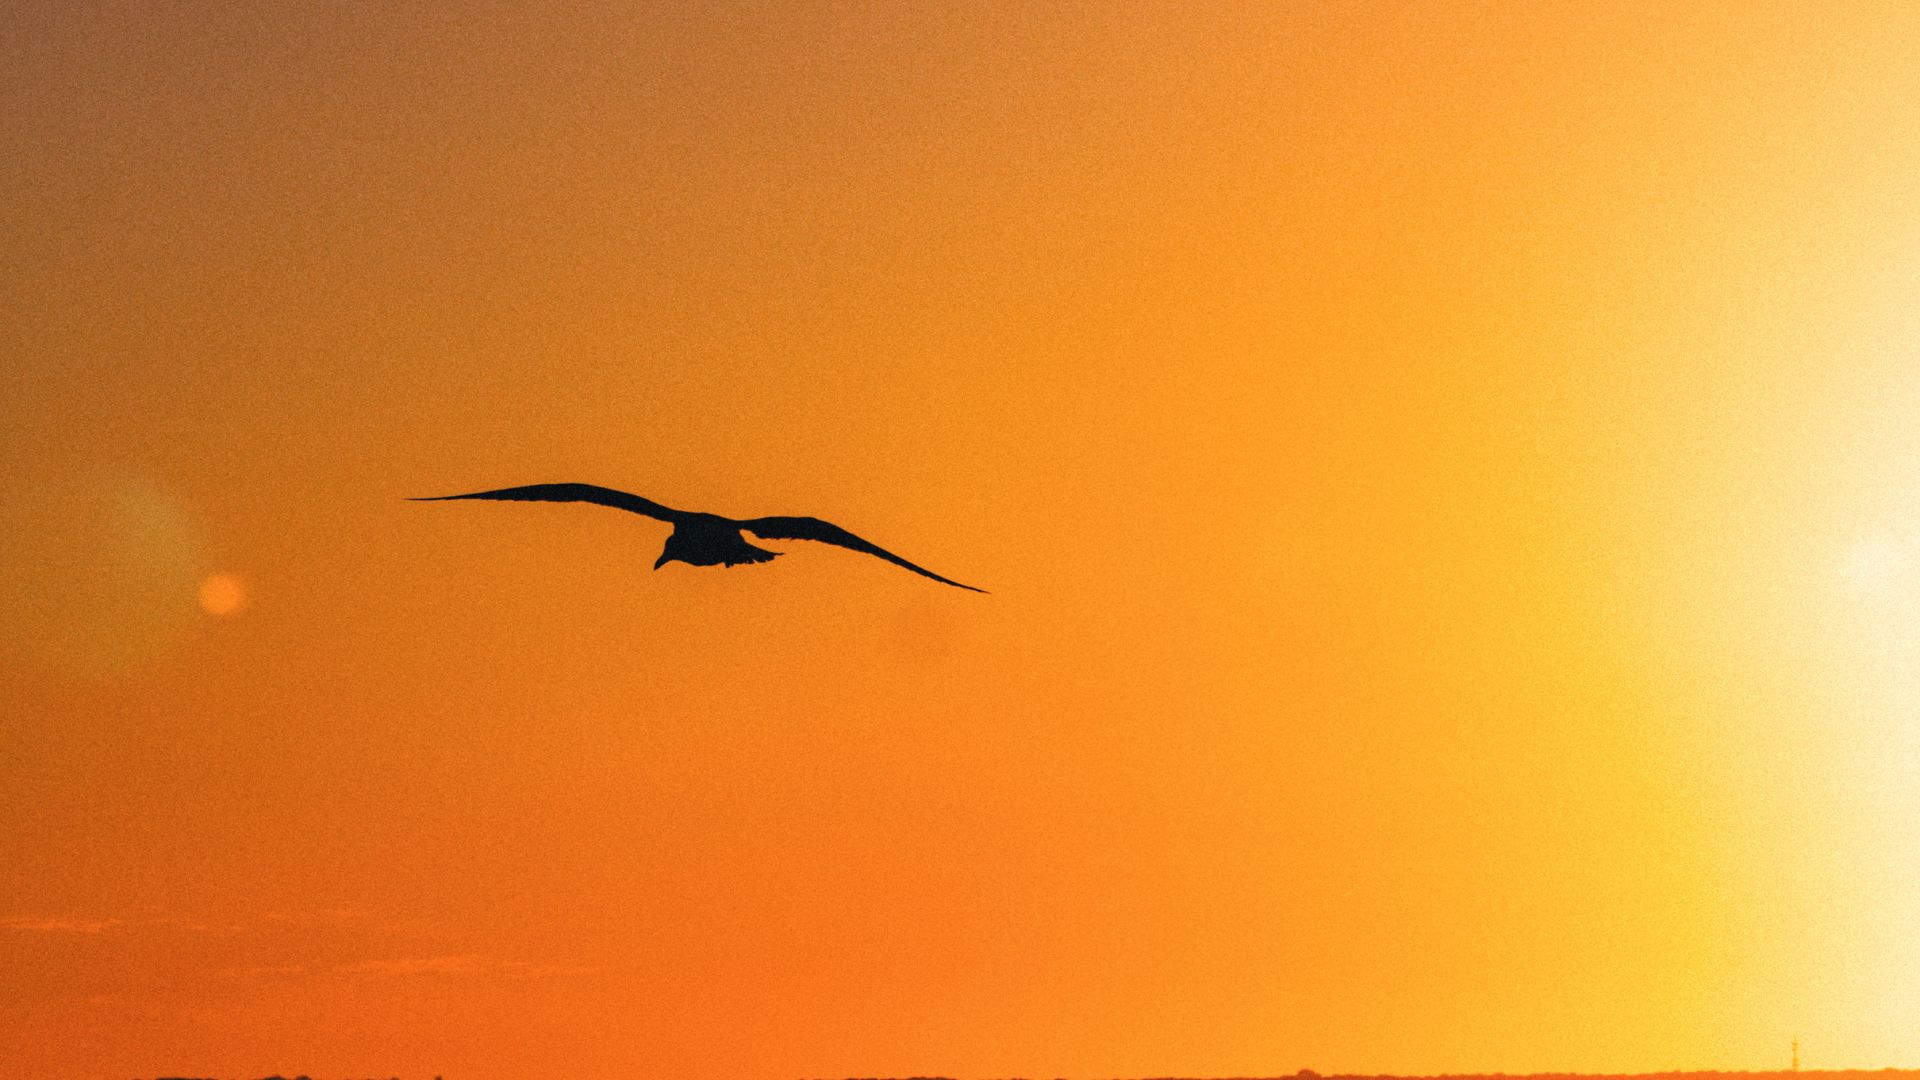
column 1448, row 476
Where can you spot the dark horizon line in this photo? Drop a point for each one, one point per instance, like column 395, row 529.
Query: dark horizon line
column 1312, row 1075
column 1309, row 1074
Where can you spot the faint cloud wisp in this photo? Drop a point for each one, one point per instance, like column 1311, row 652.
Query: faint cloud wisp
column 460, row 965
column 58, row 924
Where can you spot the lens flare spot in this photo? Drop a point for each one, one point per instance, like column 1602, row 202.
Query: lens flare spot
column 223, row 594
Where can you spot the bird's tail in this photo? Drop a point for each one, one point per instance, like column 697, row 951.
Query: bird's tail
column 752, row 555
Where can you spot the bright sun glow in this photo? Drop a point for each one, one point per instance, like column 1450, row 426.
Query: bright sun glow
column 1873, row 565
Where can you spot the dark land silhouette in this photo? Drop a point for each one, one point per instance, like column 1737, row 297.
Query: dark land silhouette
column 705, row 539
column 1690, row 1075
column 1701, row 1074
column 1310, row 1075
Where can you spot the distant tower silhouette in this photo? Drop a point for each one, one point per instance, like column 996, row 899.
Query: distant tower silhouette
column 1796, row 1054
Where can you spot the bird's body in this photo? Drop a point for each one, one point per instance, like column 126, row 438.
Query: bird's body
column 710, row 540
column 704, row 539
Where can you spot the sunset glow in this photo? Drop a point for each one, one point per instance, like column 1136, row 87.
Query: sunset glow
column 1874, row 565
column 1447, row 479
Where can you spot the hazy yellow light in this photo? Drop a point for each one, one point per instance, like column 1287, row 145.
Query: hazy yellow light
column 1873, row 565
column 223, row 594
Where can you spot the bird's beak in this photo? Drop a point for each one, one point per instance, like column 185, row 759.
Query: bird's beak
column 661, row 561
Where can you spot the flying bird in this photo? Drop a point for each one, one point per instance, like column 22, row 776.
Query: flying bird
column 704, row 539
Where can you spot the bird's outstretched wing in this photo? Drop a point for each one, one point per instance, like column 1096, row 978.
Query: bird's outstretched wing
column 826, row 532
column 588, row 493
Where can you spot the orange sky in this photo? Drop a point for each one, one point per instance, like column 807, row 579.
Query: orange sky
column 1447, row 476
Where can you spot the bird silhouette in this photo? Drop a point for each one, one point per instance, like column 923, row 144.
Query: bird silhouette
column 704, row 539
